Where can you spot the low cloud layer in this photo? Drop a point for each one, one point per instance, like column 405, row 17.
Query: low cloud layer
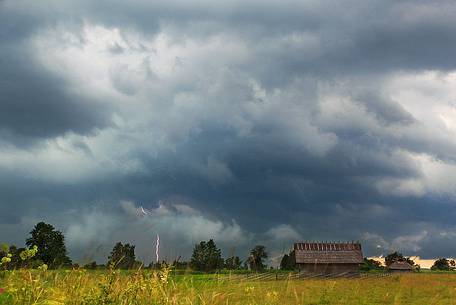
column 179, row 227
column 248, row 122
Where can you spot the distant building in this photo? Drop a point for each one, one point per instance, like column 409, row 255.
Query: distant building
column 328, row 257
column 401, row 266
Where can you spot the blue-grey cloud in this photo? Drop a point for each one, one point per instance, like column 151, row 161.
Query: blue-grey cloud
column 263, row 122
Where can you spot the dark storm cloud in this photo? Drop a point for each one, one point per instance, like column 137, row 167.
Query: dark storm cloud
column 34, row 102
column 291, row 39
column 292, row 135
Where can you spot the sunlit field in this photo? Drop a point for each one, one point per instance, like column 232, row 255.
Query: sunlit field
column 146, row 287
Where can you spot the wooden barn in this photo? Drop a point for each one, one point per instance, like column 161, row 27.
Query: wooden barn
column 401, row 266
column 328, row 257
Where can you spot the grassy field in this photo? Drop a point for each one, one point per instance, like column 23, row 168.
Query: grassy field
column 145, row 287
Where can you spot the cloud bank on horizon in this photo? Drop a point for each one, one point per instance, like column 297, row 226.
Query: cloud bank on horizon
column 248, row 121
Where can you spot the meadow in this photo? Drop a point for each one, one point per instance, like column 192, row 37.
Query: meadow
column 163, row 287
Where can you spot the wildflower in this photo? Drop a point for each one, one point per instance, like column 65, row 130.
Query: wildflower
column 272, row 295
column 43, row 267
column 249, row 289
column 2, row 290
column 28, row 253
column 5, row 260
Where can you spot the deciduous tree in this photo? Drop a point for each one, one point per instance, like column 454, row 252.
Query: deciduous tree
column 443, row 264
column 370, row 264
column 233, row 263
column 122, row 256
column 397, row 257
column 206, row 256
column 257, row 255
column 51, row 245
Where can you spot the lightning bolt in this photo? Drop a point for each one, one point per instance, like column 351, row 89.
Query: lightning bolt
column 157, row 243
column 157, row 247
column 144, row 211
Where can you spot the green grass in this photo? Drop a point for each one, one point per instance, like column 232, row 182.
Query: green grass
column 146, row 287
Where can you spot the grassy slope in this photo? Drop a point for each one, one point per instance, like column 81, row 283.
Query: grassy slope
column 102, row 287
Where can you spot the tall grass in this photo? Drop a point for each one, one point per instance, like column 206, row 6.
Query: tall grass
column 149, row 287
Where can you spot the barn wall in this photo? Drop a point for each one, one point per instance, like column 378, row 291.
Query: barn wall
column 400, row 270
column 328, row 268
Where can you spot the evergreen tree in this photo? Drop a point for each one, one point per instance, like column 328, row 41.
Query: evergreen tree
column 287, row 262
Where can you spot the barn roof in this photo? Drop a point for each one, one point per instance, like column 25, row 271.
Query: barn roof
column 400, row 266
column 328, row 253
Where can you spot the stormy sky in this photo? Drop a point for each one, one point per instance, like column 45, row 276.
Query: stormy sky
column 250, row 122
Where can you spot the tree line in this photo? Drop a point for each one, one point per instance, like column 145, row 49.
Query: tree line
column 46, row 246
column 442, row 264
